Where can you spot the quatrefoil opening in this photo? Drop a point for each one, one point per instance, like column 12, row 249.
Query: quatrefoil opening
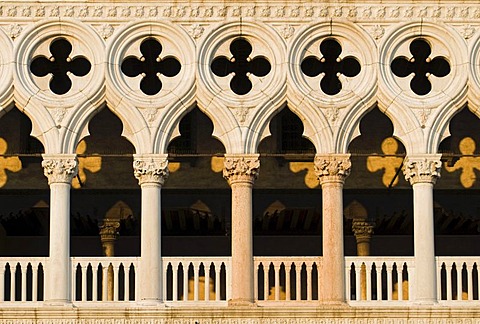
column 421, row 65
column 150, row 66
column 241, row 65
column 59, row 65
column 331, row 65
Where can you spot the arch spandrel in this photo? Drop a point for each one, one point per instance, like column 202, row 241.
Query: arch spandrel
column 59, row 114
column 421, row 119
column 6, row 72
column 246, row 114
column 354, row 92
column 150, row 125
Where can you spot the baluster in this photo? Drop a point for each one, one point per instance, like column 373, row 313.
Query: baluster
column 358, row 276
column 13, row 271
column 73, row 271
column 175, row 281
column 126, row 295
column 309, row 281
column 196, row 281
column 400, row 282
column 256, row 267
column 207, row 281
column 448, row 270
column 34, row 281
column 185, row 282
column 94, row 282
column 378, row 270
column 389, row 269
column 116, row 270
column 266, row 288
column 2, row 281
column 83, row 269
column 105, row 282
column 276, row 269
column 218, row 270
column 470, row 281
column 287, row 281
column 368, row 280
column 298, row 281
column 348, row 281
column 459, row 281
column 23, row 271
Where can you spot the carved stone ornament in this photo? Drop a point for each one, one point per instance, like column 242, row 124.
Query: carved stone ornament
column 60, row 168
column 150, row 169
column 422, row 169
column 332, row 167
column 362, row 230
column 241, row 168
column 109, row 230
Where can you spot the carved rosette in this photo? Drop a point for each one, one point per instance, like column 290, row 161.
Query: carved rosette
column 363, row 230
column 60, row 168
column 241, row 168
column 151, row 169
column 332, row 167
column 422, row 169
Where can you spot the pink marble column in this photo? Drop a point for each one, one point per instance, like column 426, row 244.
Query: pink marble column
column 241, row 171
column 151, row 170
column 422, row 171
column 331, row 170
column 59, row 169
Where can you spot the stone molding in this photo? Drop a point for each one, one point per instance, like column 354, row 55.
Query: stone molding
column 422, row 168
column 150, row 168
column 332, row 167
column 241, row 168
column 60, row 168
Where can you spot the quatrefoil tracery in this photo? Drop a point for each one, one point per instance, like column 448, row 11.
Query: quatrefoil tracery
column 331, row 65
column 59, row 64
column 150, row 66
column 241, row 65
column 421, row 65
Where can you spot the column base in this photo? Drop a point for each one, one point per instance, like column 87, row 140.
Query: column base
column 241, row 303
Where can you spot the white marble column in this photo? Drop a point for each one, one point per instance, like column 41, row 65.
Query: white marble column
column 331, row 170
column 422, row 171
column 151, row 171
column 241, row 171
column 59, row 169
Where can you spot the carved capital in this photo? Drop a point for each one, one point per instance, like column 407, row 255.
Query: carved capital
column 60, row 168
column 241, row 168
column 109, row 230
column 362, row 230
column 151, row 168
column 332, row 167
column 422, row 169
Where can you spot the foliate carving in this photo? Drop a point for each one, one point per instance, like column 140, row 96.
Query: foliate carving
column 422, row 169
column 362, row 229
column 109, row 230
column 241, row 168
column 332, row 167
column 151, row 169
column 14, row 30
column 60, row 168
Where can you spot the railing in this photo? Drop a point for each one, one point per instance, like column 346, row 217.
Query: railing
column 21, row 279
column 379, row 278
column 104, row 279
column 457, row 278
column 286, row 278
column 196, row 279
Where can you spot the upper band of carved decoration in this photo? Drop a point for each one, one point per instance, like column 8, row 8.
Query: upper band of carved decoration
column 422, row 169
column 241, row 168
column 60, row 168
column 151, row 169
column 332, row 168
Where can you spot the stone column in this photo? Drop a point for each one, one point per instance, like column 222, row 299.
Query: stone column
column 151, row 171
column 331, row 171
column 422, row 171
column 363, row 230
column 241, row 171
column 108, row 236
column 59, row 169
